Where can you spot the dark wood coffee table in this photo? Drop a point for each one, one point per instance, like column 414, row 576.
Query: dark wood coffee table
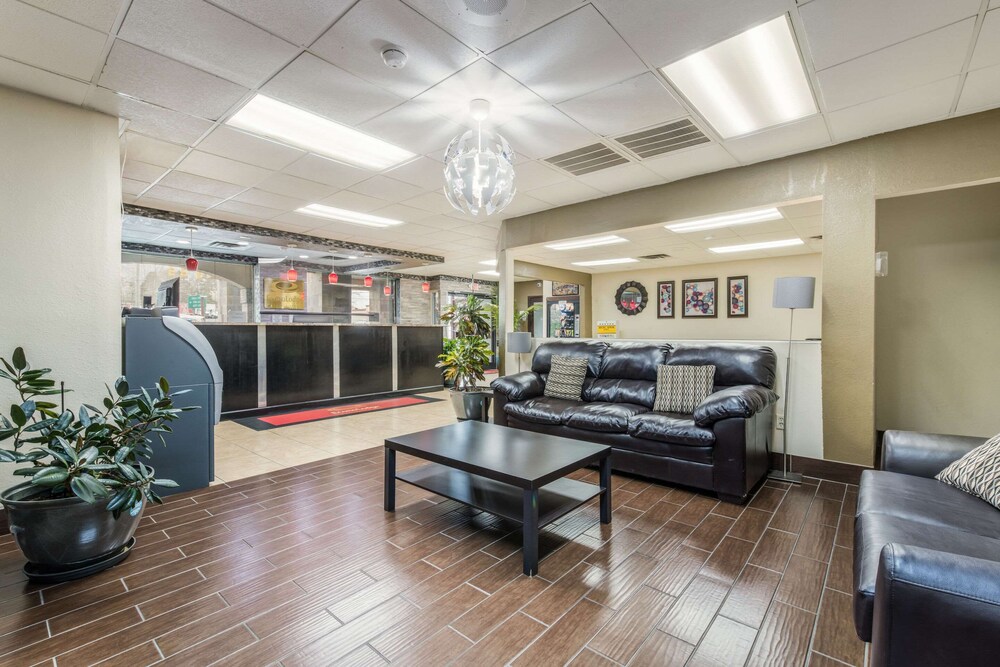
column 516, row 474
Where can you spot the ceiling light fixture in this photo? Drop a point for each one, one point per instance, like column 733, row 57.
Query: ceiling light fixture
column 191, row 263
column 289, row 125
column 727, row 220
column 490, row 273
column 606, row 262
column 343, row 215
column 479, row 168
column 368, row 281
column 587, row 243
column 387, row 290
column 748, row 82
column 764, row 245
column 425, row 286
column 488, row 262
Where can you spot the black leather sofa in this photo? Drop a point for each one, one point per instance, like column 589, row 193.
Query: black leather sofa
column 926, row 559
column 722, row 447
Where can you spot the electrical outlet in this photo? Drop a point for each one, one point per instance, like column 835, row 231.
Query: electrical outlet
column 781, row 423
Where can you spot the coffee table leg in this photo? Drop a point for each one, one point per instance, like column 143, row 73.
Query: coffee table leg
column 530, row 532
column 606, row 492
column 390, row 480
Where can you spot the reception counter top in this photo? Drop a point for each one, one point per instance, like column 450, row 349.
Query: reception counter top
column 295, row 364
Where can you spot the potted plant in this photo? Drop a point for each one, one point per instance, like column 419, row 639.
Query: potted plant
column 87, row 477
column 464, row 361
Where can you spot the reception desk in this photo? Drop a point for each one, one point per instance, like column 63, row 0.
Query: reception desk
column 287, row 365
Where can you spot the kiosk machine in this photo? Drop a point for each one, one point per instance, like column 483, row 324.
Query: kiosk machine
column 158, row 345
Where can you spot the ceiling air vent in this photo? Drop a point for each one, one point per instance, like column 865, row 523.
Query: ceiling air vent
column 658, row 255
column 224, row 244
column 663, row 139
column 331, row 258
column 587, row 159
column 816, row 238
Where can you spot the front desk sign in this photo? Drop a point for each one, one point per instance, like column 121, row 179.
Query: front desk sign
column 607, row 328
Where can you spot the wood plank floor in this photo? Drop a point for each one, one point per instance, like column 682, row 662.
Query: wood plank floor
column 302, row 567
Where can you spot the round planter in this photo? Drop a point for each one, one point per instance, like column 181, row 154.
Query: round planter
column 58, row 532
column 470, row 404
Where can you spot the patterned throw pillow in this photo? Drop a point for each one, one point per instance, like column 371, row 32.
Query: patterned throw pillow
column 566, row 378
column 978, row 472
column 682, row 388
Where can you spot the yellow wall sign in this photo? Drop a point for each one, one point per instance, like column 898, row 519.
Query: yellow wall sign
column 284, row 294
column 607, row 328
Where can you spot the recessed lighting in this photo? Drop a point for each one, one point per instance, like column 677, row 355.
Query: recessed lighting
column 764, row 245
column 605, row 262
column 352, row 257
column 747, row 82
column 289, row 125
column 727, row 220
column 587, row 243
column 242, row 243
column 343, row 215
column 184, row 241
column 303, row 256
column 489, row 273
column 488, row 262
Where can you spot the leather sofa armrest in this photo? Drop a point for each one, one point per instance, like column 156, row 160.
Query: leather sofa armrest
column 742, row 401
column 520, row 386
column 923, row 454
column 935, row 608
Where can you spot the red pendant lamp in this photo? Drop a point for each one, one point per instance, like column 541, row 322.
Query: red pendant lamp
column 292, row 274
column 387, row 290
column 368, row 281
column 333, row 278
column 425, row 286
column 191, row 263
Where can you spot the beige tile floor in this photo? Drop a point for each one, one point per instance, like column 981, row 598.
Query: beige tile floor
column 243, row 452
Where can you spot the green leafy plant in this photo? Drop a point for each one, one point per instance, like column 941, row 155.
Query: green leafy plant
column 521, row 316
column 463, row 364
column 472, row 317
column 96, row 454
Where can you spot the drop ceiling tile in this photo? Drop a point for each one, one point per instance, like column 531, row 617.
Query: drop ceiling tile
column 794, row 137
column 315, row 85
column 424, row 172
column 912, row 107
column 167, row 205
column 236, row 145
column 356, row 41
column 298, row 21
column 809, row 209
column 329, row 172
column 133, row 187
column 569, row 57
column 222, row 169
column 434, row 202
column 182, row 196
column 206, row 37
column 270, row 200
column 621, row 178
column 994, row 4
column 38, row 81
column 158, row 80
column 180, row 180
column 352, row 201
column 531, row 175
column 569, row 192
column 988, row 45
column 981, row 90
column 702, row 159
column 839, row 30
column 413, row 127
column 96, row 14
column 141, row 171
column 522, row 205
column 623, row 107
column 152, row 151
column 148, row 119
column 930, row 57
column 250, row 210
column 545, row 133
column 297, row 188
column 388, row 189
column 38, row 38
column 403, row 212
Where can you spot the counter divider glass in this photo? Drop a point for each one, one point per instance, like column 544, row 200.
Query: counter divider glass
column 267, row 366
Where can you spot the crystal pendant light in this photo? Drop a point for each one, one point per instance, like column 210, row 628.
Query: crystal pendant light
column 479, row 168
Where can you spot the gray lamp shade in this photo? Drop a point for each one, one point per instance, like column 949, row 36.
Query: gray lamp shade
column 518, row 342
column 794, row 292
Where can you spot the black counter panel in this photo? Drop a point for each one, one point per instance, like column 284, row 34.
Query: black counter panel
column 417, row 350
column 299, row 364
column 236, row 348
column 365, row 360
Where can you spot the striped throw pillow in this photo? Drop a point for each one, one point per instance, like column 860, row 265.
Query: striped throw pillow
column 682, row 388
column 978, row 472
column 566, row 378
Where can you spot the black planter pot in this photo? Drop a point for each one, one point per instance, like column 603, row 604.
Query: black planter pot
column 471, row 404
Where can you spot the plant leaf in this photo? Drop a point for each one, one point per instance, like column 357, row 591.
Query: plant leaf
column 20, row 363
column 50, row 476
column 166, row 483
column 17, row 415
column 121, row 387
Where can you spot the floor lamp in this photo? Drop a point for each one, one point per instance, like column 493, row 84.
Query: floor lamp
column 518, row 342
column 792, row 293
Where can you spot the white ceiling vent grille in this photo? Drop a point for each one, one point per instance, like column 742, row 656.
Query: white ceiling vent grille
column 663, row 139
column 587, row 159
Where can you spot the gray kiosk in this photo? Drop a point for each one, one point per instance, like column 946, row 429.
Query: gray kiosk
column 155, row 346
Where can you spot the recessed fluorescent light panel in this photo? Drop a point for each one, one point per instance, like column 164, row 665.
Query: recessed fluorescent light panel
column 765, row 245
column 748, row 82
column 728, row 220
column 488, row 262
column 343, row 215
column 587, row 243
column 489, row 273
column 606, row 262
column 287, row 124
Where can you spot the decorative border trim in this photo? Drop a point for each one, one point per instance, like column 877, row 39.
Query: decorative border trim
column 150, row 249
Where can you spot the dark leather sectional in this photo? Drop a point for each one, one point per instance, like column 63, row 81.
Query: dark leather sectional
column 926, row 559
column 722, row 447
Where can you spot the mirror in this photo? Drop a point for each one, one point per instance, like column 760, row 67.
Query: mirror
column 631, row 298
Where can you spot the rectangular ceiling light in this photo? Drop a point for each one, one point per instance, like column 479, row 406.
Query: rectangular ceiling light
column 587, row 243
column 748, row 82
column 489, row 273
column 287, row 124
column 765, row 245
column 343, row 215
column 727, row 220
column 606, row 262
column 488, row 262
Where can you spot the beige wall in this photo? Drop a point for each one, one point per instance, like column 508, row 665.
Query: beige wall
column 524, row 289
column 937, row 317
column 763, row 322
column 849, row 177
column 60, row 231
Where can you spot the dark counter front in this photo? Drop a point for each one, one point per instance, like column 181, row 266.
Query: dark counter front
column 299, row 364
column 236, row 348
column 365, row 360
column 417, row 350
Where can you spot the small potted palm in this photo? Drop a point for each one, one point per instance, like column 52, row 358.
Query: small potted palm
column 464, row 361
column 87, row 474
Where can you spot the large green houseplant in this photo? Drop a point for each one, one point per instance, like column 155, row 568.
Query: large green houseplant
column 464, row 360
column 87, row 472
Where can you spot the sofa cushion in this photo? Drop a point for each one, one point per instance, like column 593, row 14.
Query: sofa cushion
column 591, row 350
column 541, row 410
column 682, row 388
column 734, row 364
column 603, row 417
column 670, row 427
column 633, row 360
column 565, row 379
column 641, row 392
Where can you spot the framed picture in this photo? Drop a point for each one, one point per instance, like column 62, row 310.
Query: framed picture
column 564, row 317
column 700, row 297
column 738, row 295
column 565, row 289
column 665, row 299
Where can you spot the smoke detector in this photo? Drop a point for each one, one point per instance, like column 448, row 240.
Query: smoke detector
column 394, row 58
column 487, row 13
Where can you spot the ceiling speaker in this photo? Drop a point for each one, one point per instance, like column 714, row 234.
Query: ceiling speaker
column 487, row 13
